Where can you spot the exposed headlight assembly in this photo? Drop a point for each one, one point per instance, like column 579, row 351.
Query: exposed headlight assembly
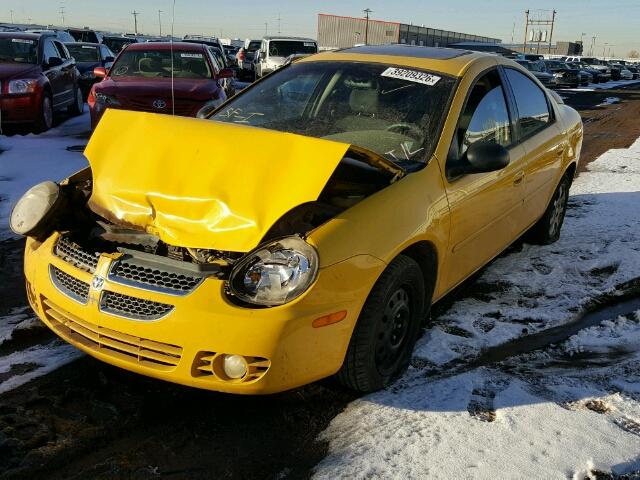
column 33, row 213
column 21, row 86
column 275, row 273
column 107, row 100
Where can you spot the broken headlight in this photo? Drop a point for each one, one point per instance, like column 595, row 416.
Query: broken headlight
column 33, row 212
column 275, row 273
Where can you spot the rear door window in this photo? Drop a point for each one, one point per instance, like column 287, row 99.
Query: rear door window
column 531, row 102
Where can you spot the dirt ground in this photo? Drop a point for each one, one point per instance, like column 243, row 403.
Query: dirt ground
column 91, row 420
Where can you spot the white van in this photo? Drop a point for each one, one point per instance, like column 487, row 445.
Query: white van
column 275, row 50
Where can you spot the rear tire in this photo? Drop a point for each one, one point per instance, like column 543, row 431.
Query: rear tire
column 387, row 329
column 77, row 107
column 547, row 229
column 45, row 120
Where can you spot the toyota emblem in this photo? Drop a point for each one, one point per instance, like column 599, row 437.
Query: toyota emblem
column 97, row 283
column 159, row 104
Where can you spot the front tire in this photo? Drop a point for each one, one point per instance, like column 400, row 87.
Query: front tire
column 387, row 329
column 547, row 229
column 45, row 120
column 77, row 107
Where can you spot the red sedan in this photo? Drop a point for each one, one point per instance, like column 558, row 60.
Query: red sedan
column 37, row 77
column 141, row 80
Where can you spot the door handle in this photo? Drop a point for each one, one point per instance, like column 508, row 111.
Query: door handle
column 519, row 177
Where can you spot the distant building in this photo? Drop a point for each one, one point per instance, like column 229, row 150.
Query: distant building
column 560, row 48
column 340, row 32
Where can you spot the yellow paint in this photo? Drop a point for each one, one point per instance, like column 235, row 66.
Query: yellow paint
column 202, row 184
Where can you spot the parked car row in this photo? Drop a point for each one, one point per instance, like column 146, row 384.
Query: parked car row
column 261, row 57
column 38, row 76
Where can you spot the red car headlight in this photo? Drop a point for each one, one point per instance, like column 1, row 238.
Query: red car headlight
column 22, row 86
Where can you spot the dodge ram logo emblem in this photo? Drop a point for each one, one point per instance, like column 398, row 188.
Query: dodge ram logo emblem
column 159, row 104
column 97, row 283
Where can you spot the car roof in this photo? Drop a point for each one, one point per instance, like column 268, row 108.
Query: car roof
column 449, row 61
column 87, row 44
column 182, row 46
column 302, row 39
column 24, row 36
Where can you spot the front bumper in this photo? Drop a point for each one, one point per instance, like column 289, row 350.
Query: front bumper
column 20, row 108
column 203, row 324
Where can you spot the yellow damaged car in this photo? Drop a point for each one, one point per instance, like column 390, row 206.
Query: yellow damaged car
column 303, row 229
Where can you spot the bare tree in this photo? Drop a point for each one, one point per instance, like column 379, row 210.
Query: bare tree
column 633, row 54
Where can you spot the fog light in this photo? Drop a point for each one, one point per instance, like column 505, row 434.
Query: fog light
column 234, row 366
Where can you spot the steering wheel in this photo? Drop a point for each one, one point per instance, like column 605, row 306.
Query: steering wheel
column 408, row 127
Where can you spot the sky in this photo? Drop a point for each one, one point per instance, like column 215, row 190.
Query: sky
column 614, row 23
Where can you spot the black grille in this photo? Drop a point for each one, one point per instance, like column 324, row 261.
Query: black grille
column 138, row 273
column 70, row 286
column 74, row 254
column 132, row 307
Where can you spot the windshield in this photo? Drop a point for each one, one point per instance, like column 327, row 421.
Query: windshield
column 117, row 44
column 18, row 50
column 395, row 112
column 140, row 63
column 83, row 53
column 282, row 48
column 555, row 65
column 254, row 45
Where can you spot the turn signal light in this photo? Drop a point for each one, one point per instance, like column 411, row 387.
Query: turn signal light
column 329, row 319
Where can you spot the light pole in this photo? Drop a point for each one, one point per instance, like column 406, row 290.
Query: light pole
column 366, row 11
column 582, row 35
column 604, row 48
column 160, row 22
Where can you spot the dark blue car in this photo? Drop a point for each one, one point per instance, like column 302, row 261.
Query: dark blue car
column 89, row 56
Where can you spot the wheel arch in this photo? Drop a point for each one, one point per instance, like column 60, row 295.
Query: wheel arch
column 424, row 253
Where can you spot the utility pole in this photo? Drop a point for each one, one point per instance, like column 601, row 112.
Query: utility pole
column 266, row 28
column 135, row 21
column 513, row 31
column 539, row 21
column 366, row 11
column 526, row 30
column 593, row 45
column 279, row 33
column 11, row 13
column 604, row 48
column 160, row 22
column 61, row 11
column 553, row 21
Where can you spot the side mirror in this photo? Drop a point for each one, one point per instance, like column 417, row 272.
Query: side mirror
column 100, row 72
column 481, row 157
column 109, row 59
column 54, row 62
column 226, row 73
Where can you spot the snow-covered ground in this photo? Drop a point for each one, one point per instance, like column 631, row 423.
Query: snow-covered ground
column 567, row 410
column 26, row 160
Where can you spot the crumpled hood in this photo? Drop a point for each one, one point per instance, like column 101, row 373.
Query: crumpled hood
column 203, row 184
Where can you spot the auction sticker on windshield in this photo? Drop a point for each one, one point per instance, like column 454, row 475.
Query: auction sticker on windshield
column 22, row 40
column 411, row 76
